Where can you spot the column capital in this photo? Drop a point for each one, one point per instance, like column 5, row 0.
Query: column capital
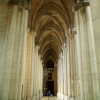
column 34, row 32
column 22, row 4
column 59, row 60
column 64, row 46
column 37, row 46
column 61, row 55
column 71, row 32
column 74, row 30
column 79, row 4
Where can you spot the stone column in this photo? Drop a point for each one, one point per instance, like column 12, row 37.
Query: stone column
column 88, row 86
column 24, row 91
column 59, row 78
column 73, row 66
column 65, row 70
column 37, row 70
column 79, row 20
column 77, row 68
column 68, row 68
column 74, row 31
column 8, row 56
column 94, row 72
column 35, row 76
column 76, row 61
column 61, row 95
column 22, row 52
column 32, row 63
column 95, row 12
column 4, row 19
column 40, row 76
column 16, row 59
column 12, row 70
column 28, row 66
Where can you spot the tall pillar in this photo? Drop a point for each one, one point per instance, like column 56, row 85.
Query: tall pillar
column 94, row 72
column 77, row 67
column 22, row 53
column 74, row 64
column 35, row 76
column 4, row 19
column 8, row 56
column 95, row 12
column 24, row 89
column 86, row 65
column 59, row 78
column 80, row 56
column 37, row 71
column 68, row 69
column 40, row 76
column 65, row 72
column 15, row 60
column 32, row 63
column 62, row 78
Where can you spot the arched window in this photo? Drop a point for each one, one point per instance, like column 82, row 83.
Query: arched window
column 50, row 64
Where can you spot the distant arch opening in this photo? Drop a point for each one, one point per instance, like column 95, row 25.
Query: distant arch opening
column 50, row 64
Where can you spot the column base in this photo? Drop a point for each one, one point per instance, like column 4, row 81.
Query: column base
column 38, row 96
column 58, row 95
column 65, row 97
column 41, row 95
column 34, row 98
column 62, row 96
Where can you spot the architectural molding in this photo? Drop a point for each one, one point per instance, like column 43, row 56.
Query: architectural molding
column 79, row 5
column 21, row 3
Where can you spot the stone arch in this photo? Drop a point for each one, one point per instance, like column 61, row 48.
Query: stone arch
column 47, row 27
column 56, row 8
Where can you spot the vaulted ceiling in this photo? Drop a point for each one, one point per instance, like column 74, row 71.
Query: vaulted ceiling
column 51, row 19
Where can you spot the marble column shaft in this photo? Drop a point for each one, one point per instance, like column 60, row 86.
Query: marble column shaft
column 22, row 52
column 95, row 13
column 94, row 72
column 9, row 55
column 37, row 69
column 62, row 76
column 74, row 66
column 15, row 61
column 87, row 77
column 32, row 63
column 12, row 65
column 69, row 68
column 80, row 56
column 65, row 70
column 4, row 19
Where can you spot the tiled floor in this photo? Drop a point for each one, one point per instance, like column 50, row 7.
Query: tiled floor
column 50, row 98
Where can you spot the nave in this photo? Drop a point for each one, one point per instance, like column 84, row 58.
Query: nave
column 49, row 45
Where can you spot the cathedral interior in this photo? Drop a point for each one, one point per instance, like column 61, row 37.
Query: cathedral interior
column 50, row 49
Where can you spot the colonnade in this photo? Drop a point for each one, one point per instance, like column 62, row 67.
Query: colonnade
column 33, row 69
column 21, row 72
column 78, row 78
column 21, row 69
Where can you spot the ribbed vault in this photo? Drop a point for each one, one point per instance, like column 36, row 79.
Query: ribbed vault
column 51, row 19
